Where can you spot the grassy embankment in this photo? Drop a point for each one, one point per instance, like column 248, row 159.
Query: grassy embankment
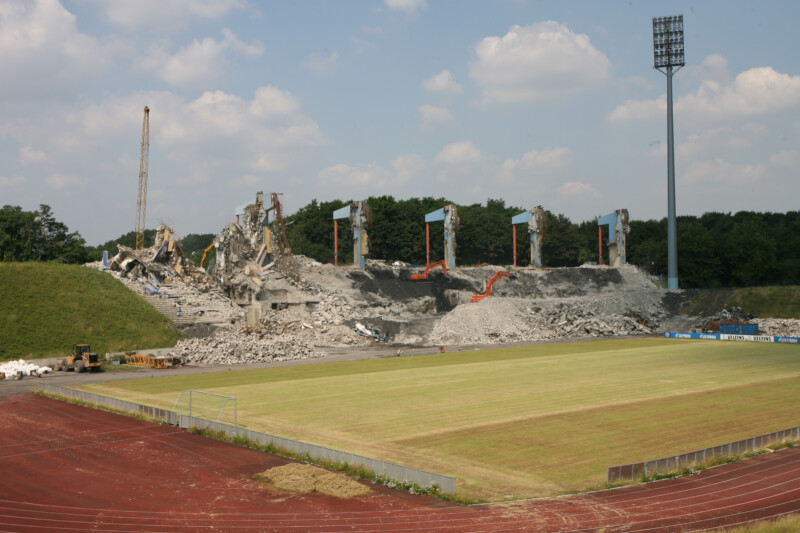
column 516, row 422
column 46, row 308
column 767, row 302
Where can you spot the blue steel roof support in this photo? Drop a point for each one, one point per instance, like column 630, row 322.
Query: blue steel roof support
column 609, row 220
column 355, row 212
column 448, row 215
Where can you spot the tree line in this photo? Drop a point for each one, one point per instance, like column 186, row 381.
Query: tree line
column 714, row 250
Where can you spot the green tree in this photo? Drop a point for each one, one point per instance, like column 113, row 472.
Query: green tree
column 194, row 244
column 698, row 264
column 16, row 234
column 38, row 236
column 562, row 243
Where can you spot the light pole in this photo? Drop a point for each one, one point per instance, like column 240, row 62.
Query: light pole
column 668, row 59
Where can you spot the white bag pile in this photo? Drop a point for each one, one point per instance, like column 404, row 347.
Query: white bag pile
column 13, row 368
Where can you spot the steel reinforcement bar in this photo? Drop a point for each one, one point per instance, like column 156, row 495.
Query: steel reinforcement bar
column 677, row 463
column 394, row 471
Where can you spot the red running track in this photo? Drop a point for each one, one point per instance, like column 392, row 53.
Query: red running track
column 70, row 468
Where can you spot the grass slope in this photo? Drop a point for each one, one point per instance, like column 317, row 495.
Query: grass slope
column 517, row 422
column 46, row 308
column 767, row 302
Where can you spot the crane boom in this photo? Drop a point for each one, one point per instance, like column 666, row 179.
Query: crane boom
column 144, row 163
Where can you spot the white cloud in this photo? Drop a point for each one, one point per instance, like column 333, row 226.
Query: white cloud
column 408, row 6
column 359, row 45
column 537, row 62
column 270, row 101
column 442, row 83
column 755, row 92
column 368, row 175
column 215, row 136
column 61, row 182
column 557, row 157
column 42, row 50
column 199, row 61
column 458, row 153
column 785, row 158
column 573, row 189
column 432, row 115
column 638, row 110
column 714, row 140
column 407, row 168
column 543, row 166
column 165, row 15
column 371, row 29
column 12, row 181
column 30, row 156
column 323, row 64
column 719, row 171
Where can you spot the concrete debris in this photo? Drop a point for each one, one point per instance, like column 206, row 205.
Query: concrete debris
column 498, row 320
column 18, row 369
column 164, row 262
column 254, row 309
column 235, row 345
column 783, row 327
column 172, row 284
column 374, row 333
column 245, row 251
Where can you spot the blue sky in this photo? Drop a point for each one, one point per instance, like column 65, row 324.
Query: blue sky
column 551, row 103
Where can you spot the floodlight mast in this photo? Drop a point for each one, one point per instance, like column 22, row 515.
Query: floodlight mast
column 668, row 55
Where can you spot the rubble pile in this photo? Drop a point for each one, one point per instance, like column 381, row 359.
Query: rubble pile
column 496, row 320
column 171, row 282
column 256, row 307
column 235, row 345
column 782, row 327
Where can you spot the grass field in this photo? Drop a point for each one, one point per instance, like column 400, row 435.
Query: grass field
column 46, row 308
column 516, row 422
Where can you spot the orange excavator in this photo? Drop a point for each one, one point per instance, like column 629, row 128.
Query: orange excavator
column 488, row 291
column 205, row 253
column 424, row 275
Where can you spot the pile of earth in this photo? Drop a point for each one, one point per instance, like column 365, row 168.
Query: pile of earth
column 298, row 478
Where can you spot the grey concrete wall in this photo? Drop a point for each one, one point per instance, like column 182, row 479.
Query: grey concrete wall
column 423, row 478
column 679, row 462
column 121, row 405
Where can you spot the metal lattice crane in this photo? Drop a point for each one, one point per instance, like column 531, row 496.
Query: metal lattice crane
column 144, row 162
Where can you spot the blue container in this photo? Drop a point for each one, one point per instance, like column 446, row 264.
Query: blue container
column 739, row 329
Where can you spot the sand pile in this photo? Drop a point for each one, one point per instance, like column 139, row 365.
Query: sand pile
column 298, row 478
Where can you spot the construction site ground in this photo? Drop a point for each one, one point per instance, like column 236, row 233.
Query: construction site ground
column 143, row 476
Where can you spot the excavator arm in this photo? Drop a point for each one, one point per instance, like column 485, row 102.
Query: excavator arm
column 488, row 291
column 424, row 275
column 205, row 253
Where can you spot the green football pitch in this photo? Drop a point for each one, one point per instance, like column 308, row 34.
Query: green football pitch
column 515, row 422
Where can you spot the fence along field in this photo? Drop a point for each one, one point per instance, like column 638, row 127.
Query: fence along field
column 516, row 422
